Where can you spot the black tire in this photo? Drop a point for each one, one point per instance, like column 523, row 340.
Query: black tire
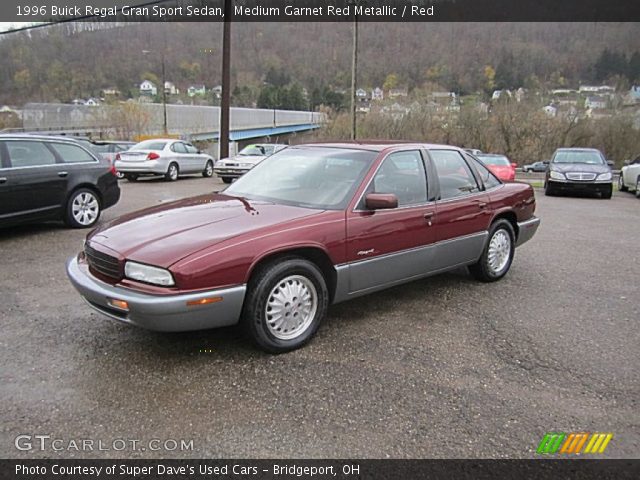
column 608, row 193
column 621, row 186
column 83, row 208
column 638, row 188
column 208, row 170
column 132, row 177
column 172, row 172
column 483, row 269
column 263, row 290
column 226, row 179
column 549, row 191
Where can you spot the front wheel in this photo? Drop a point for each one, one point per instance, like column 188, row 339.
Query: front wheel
column 227, row 179
column 208, row 170
column 172, row 173
column 497, row 254
column 621, row 186
column 132, row 177
column 286, row 301
column 83, row 209
column 638, row 188
column 548, row 190
column 608, row 193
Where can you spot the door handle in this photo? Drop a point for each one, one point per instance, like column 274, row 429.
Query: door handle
column 3, row 179
column 428, row 216
column 482, row 204
column 63, row 174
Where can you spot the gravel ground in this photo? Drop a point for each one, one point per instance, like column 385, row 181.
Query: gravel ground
column 443, row 367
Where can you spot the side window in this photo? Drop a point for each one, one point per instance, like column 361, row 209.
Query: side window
column 191, row 148
column 403, row 174
column 454, row 175
column 29, row 154
column 488, row 178
column 72, row 153
column 178, row 147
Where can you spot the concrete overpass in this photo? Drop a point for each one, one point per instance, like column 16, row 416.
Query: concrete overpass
column 129, row 120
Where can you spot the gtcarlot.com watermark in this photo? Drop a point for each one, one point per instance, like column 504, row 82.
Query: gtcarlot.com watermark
column 44, row 443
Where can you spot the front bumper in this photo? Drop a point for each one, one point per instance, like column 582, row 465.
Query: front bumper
column 578, row 186
column 230, row 172
column 165, row 313
column 526, row 230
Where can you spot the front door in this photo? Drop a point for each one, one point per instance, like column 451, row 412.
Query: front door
column 392, row 245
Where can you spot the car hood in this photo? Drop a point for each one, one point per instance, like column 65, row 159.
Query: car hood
column 167, row 233
column 579, row 167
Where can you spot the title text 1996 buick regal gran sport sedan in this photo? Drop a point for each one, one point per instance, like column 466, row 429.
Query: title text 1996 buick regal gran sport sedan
column 309, row 226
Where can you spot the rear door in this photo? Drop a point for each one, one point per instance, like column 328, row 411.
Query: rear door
column 34, row 183
column 197, row 160
column 180, row 155
column 392, row 245
column 463, row 211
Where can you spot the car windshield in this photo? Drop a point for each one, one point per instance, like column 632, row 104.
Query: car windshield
column 494, row 160
column 252, row 150
column 576, row 156
column 312, row 177
column 150, row 145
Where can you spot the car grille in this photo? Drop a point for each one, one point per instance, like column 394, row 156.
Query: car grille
column 231, row 164
column 581, row 176
column 102, row 263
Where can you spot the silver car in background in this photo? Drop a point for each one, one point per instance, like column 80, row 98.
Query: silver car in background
column 247, row 158
column 167, row 157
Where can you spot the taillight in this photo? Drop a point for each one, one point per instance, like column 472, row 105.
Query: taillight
column 117, row 157
column 153, row 156
column 113, row 170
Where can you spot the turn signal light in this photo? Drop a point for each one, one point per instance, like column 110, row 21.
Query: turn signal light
column 203, row 301
column 119, row 304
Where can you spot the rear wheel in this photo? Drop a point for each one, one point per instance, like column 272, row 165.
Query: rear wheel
column 226, row 179
column 83, row 209
column 172, row 172
column 498, row 253
column 286, row 301
column 208, row 170
column 621, row 186
column 132, row 177
column 638, row 188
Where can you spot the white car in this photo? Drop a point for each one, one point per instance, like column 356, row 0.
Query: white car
column 629, row 179
column 247, row 158
column 161, row 156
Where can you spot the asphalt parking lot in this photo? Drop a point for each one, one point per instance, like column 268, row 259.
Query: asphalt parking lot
column 443, row 367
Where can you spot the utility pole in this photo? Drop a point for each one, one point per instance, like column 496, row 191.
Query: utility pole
column 164, row 98
column 225, row 103
column 354, row 75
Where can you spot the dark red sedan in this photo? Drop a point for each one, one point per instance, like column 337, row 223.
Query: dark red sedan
column 310, row 226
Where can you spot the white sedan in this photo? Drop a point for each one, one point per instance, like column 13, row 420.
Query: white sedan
column 629, row 179
column 247, row 158
column 167, row 157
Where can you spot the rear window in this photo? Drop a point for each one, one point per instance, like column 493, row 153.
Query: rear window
column 72, row 153
column 150, row 145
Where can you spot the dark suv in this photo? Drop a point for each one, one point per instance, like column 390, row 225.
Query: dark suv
column 52, row 178
column 578, row 170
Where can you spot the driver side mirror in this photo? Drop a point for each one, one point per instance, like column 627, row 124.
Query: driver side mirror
column 380, row 201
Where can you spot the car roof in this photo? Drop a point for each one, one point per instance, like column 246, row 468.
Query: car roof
column 379, row 145
column 577, row 149
column 29, row 136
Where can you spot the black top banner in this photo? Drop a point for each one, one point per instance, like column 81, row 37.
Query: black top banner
column 321, row 10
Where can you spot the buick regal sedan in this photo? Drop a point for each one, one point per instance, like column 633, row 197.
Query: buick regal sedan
column 310, row 226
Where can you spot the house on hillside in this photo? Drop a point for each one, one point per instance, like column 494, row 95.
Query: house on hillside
column 92, row 102
column 197, row 90
column 217, row 91
column 377, row 94
column 170, row 88
column 595, row 102
column 110, row 92
column 398, row 92
column 147, row 87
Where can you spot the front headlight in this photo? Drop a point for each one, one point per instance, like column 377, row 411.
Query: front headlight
column 148, row 274
column 245, row 165
column 556, row 175
column 604, row 176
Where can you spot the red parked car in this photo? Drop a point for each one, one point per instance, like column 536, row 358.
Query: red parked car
column 309, row 226
column 503, row 168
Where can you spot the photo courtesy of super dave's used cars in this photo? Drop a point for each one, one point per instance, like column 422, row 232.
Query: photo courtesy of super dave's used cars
column 309, row 226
